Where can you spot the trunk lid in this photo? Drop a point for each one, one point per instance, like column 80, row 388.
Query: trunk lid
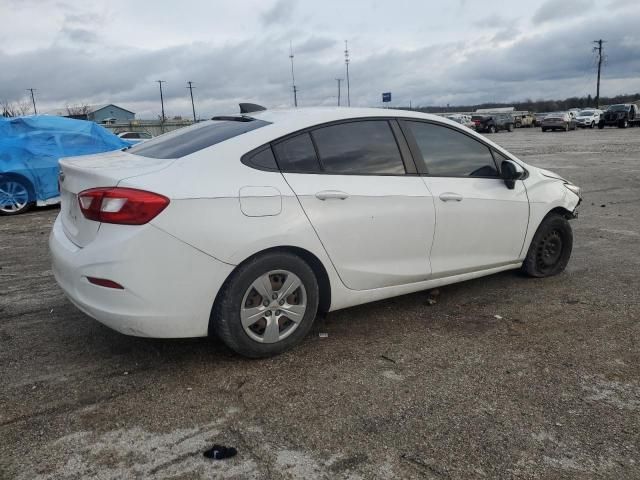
column 91, row 171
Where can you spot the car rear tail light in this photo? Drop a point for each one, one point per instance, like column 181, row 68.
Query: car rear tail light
column 103, row 282
column 124, row 206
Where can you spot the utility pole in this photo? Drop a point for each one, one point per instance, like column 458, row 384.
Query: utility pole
column 191, row 87
column 160, row 82
column 33, row 99
column 293, row 78
column 598, row 49
column 339, row 80
column 346, row 62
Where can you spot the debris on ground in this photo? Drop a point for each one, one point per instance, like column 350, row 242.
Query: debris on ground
column 388, row 359
column 498, row 317
column 431, row 297
column 220, row 452
column 323, row 335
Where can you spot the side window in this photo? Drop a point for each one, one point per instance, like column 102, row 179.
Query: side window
column 263, row 160
column 297, row 155
column 449, row 153
column 363, row 147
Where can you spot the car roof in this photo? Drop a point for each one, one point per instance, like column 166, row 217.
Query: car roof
column 293, row 119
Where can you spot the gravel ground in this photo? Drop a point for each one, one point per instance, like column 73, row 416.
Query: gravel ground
column 504, row 377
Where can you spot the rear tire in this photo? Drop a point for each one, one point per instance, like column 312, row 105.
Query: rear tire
column 623, row 124
column 550, row 248
column 492, row 129
column 544, row 129
column 267, row 330
column 16, row 195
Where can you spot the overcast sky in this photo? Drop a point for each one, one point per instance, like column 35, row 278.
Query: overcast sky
column 427, row 52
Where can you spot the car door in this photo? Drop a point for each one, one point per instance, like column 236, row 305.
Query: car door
column 375, row 220
column 480, row 223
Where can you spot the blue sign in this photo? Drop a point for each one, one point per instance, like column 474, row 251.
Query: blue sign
column 386, row 97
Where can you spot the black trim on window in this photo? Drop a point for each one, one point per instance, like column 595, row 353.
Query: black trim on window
column 409, row 150
column 403, row 146
column 247, row 158
column 389, row 120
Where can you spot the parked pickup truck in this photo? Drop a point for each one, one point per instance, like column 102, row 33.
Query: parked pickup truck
column 621, row 116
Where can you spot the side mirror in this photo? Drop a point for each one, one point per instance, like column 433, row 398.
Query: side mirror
column 510, row 172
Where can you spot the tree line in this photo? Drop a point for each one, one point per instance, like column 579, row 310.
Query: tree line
column 536, row 105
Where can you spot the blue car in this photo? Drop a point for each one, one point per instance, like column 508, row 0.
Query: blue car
column 30, row 148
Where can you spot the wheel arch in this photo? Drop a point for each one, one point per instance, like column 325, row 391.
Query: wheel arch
column 565, row 212
column 322, row 276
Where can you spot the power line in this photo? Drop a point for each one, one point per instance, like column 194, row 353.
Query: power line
column 193, row 107
column 293, row 78
column 339, row 80
column 346, row 62
column 33, row 99
column 598, row 49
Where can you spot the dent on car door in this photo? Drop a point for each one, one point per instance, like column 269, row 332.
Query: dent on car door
column 375, row 221
column 480, row 223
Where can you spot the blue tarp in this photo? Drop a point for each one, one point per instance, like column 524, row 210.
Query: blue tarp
column 31, row 147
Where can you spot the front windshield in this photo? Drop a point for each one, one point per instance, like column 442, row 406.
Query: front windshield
column 585, row 113
column 619, row 108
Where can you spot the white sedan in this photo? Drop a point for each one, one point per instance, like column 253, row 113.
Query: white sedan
column 246, row 226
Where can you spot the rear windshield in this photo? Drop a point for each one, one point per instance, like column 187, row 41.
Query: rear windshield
column 188, row 140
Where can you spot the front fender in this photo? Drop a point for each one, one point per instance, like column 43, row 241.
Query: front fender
column 546, row 194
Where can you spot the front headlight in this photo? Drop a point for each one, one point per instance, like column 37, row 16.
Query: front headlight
column 574, row 188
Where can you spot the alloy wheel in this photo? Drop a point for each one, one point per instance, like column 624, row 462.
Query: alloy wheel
column 273, row 306
column 14, row 196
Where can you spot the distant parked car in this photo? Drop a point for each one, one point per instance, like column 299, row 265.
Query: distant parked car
column 524, row 120
column 588, row 118
column 135, row 137
column 574, row 112
column 30, row 148
column 538, row 117
column 493, row 122
column 462, row 119
column 621, row 116
column 558, row 121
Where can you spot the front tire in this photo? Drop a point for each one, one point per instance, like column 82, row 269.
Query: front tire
column 15, row 195
column 550, row 248
column 267, row 306
column 492, row 129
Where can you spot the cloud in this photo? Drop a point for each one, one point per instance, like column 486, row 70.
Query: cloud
column 315, row 44
column 498, row 63
column 553, row 10
column 79, row 35
column 281, row 12
column 494, row 21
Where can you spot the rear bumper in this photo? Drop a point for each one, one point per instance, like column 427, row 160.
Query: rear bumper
column 169, row 286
